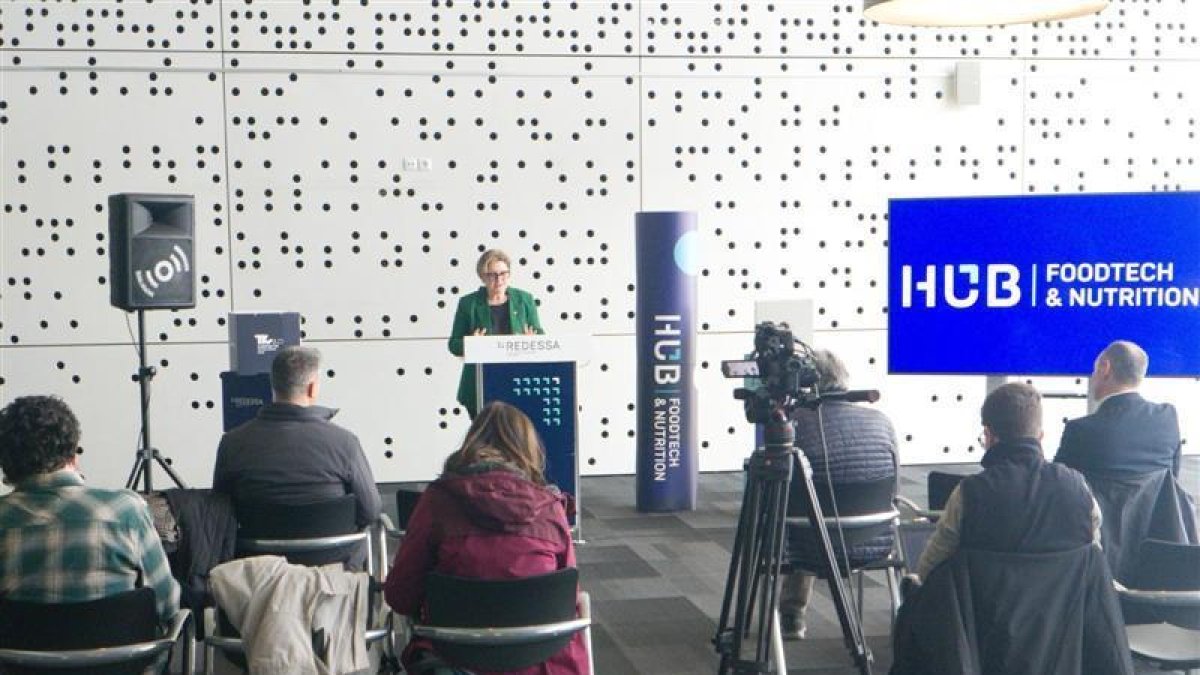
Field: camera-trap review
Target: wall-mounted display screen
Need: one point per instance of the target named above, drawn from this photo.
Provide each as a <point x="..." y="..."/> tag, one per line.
<point x="1038" y="285"/>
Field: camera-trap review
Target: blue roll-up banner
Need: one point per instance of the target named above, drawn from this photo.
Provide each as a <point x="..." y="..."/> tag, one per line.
<point x="667" y="262"/>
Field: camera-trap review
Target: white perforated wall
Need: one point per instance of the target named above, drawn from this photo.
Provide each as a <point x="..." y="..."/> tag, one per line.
<point x="350" y="160"/>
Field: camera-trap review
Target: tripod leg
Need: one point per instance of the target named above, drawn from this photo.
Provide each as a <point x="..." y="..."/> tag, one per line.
<point x="778" y="659"/>
<point x="135" y="472"/>
<point x="170" y="471"/>
<point x="728" y="638"/>
<point x="851" y="625"/>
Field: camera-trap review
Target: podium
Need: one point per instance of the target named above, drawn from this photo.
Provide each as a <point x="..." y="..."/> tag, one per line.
<point x="536" y="374"/>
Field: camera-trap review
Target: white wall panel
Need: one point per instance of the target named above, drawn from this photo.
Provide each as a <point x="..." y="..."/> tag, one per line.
<point x="163" y="26"/>
<point x="76" y="133"/>
<point x="538" y="159"/>
<point x="1088" y="127"/>
<point x="511" y="27"/>
<point x="791" y="171"/>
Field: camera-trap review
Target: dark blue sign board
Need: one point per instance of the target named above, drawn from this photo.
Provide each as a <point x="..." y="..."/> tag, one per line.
<point x="546" y="393"/>
<point x="1039" y="285"/>
<point x="242" y="396"/>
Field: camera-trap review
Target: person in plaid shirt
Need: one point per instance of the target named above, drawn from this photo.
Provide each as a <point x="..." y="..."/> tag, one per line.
<point x="61" y="541"/>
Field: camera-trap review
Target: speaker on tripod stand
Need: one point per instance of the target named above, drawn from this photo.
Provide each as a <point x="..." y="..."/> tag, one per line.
<point x="151" y="253"/>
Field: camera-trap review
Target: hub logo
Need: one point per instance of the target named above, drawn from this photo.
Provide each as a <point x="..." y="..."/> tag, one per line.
<point x="668" y="348"/>
<point x="962" y="285"/>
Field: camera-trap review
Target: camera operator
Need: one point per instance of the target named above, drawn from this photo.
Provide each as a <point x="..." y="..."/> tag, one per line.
<point x="859" y="446"/>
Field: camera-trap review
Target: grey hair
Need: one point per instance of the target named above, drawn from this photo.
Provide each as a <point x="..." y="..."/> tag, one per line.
<point x="490" y="256"/>
<point x="292" y="369"/>
<point x="1128" y="361"/>
<point x="831" y="371"/>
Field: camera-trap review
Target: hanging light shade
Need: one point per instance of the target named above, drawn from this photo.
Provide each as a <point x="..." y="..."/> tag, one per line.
<point x="976" y="12"/>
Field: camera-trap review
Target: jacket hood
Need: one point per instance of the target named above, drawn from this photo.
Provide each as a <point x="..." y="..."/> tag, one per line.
<point x="499" y="499"/>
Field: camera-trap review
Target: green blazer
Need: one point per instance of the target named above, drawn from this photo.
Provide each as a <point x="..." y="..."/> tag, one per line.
<point x="472" y="314"/>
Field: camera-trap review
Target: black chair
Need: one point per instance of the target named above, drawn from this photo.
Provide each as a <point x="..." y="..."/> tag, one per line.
<point x="406" y="501"/>
<point x="939" y="485"/>
<point x="311" y="534"/>
<point x="864" y="512"/>
<point x="503" y="624"/>
<point x="1136" y="508"/>
<point x="116" y="635"/>
<point x="1167" y="590"/>
<point x="314" y="533"/>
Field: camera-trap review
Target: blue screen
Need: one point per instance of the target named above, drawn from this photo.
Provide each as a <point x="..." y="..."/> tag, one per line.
<point x="1039" y="285"/>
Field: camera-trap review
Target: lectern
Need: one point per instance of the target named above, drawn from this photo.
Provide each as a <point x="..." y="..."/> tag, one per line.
<point x="536" y="373"/>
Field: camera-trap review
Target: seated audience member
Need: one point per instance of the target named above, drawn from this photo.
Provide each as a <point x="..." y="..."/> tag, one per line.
<point x="490" y="515"/>
<point x="1129" y="451"/>
<point x="61" y="541"/>
<point x="1013" y="579"/>
<point x="291" y="453"/>
<point x="1020" y="502"/>
<point x="861" y="447"/>
<point x="1127" y="434"/>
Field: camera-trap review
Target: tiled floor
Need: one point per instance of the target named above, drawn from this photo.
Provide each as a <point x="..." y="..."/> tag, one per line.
<point x="656" y="581"/>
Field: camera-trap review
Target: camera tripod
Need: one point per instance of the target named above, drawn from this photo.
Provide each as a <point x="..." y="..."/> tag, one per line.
<point x="147" y="453"/>
<point x="754" y="569"/>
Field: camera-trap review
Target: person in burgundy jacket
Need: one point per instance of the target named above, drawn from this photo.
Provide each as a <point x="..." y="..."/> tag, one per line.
<point x="490" y="515"/>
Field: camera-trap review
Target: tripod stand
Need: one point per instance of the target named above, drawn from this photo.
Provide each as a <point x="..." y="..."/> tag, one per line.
<point x="147" y="453"/>
<point x="754" y="568"/>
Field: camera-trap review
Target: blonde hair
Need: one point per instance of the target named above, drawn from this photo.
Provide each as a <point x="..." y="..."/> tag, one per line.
<point x="490" y="256"/>
<point x="501" y="433"/>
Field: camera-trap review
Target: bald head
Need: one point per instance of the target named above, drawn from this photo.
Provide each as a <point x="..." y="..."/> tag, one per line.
<point x="1120" y="367"/>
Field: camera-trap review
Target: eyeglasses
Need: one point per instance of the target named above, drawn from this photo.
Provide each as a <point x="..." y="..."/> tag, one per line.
<point x="495" y="276"/>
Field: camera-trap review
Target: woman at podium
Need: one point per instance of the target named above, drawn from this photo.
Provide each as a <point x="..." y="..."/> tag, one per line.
<point x="493" y="309"/>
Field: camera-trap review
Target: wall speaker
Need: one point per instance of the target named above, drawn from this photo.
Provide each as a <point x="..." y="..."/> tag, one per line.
<point x="150" y="252"/>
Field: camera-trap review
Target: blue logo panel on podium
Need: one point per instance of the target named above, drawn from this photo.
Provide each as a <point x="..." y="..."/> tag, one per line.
<point x="546" y="393"/>
<point x="1039" y="285"/>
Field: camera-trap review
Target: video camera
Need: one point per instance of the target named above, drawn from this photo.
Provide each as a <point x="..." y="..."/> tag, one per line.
<point x="788" y="375"/>
<point x="785" y="368"/>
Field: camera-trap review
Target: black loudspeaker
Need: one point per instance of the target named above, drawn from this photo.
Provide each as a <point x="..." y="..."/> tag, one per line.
<point x="150" y="252"/>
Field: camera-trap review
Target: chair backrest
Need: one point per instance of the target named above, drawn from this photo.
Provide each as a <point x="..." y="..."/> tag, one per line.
<point x="122" y="619"/>
<point x="1168" y="566"/>
<point x="1165" y="566"/>
<point x="406" y="501"/>
<point x="274" y="520"/>
<point x="474" y="603"/>
<point x="853" y="499"/>
<point x="321" y="532"/>
<point x="1136" y="507"/>
<point x="939" y="485"/>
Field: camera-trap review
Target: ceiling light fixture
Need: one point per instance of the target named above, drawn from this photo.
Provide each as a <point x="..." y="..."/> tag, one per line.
<point x="976" y="12"/>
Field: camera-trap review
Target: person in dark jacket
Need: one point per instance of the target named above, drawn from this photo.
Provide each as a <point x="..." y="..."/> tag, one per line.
<point x="1019" y="503"/>
<point x="292" y="453"/>
<point x="494" y="309"/>
<point x="1126" y="434"/>
<point x="1015" y="582"/>
<point x="490" y="515"/>
<point x="861" y="447"/>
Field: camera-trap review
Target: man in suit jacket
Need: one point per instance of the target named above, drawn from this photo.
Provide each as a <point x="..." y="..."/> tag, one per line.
<point x="1126" y="434"/>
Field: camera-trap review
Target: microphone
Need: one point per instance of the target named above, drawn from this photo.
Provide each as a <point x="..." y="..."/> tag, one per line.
<point x="853" y="396"/>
